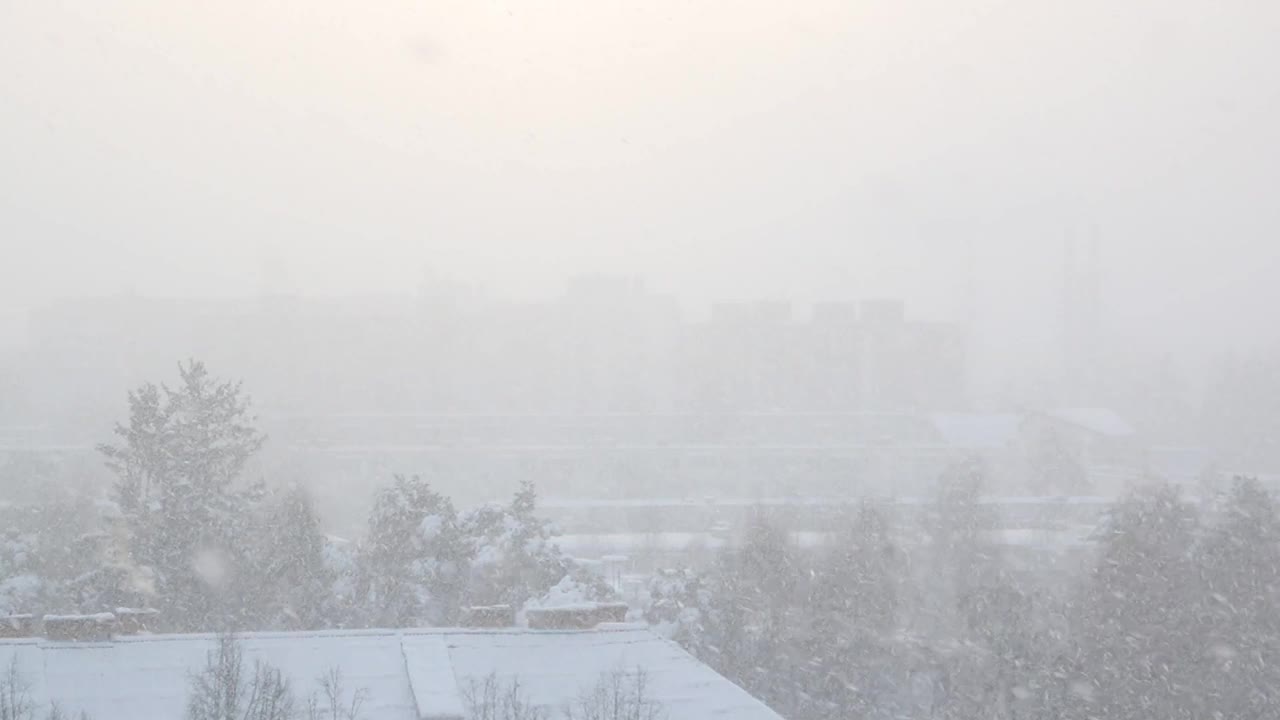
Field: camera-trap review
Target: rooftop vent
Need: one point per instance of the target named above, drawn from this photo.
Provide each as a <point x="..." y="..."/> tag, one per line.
<point x="488" y="616"/>
<point x="17" y="626"/>
<point x="79" y="627"/>
<point x="134" y="621"/>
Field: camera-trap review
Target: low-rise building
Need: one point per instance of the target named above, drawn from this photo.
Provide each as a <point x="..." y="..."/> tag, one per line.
<point x="419" y="674"/>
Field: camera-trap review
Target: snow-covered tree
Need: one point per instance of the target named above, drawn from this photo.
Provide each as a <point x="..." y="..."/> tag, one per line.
<point x="961" y="558"/>
<point x="1238" y="565"/>
<point x="1138" y="612"/>
<point x="514" y="557"/>
<point x="177" y="468"/>
<point x="21" y="586"/>
<point x="675" y="605"/>
<point x="848" y="617"/>
<point x="1012" y="658"/>
<point x="290" y="583"/>
<point x="752" y="601"/>
<point x="102" y="578"/>
<point x="342" y="607"/>
<point x="856" y="586"/>
<point x="579" y="585"/>
<point x="413" y="563"/>
<point x="65" y="557"/>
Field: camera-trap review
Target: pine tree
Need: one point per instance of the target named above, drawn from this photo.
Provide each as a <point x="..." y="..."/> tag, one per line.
<point x="849" y="619"/>
<point x="1239" y="568"/>
<point x="1008" y="662"/>
<point x="290" y="579"/>
<point x="747" y="622"/>
<point x="342" y="600"/>
<point x="857" y="576"/>
<point x="961" y="559"/>
<point x="21" y="585"/>
<point x="1138" y="612"/>
<point x="177" y="471"/>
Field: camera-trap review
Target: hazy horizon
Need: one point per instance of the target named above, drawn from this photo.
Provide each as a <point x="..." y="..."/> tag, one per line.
<point x="820" y="151"/>
<point x="672" y="360"/>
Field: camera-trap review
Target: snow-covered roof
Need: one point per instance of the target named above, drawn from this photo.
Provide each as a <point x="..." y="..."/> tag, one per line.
<point x="404" y="675"/>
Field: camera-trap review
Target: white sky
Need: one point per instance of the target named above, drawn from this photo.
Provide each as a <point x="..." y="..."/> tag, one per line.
<point x="831" y="148"/>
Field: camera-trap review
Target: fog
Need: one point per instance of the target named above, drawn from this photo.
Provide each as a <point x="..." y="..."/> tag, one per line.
<point x="722" y="150"/>
<point x="679" y="286"/>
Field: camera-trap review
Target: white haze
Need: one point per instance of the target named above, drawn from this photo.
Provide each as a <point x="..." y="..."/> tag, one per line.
<point x="820" y="359"/>
<point x="807" y="151"/>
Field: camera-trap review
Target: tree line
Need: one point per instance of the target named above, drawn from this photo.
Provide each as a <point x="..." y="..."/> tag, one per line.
<point x="1174" y="615"/>
<point x="185" y="532"/>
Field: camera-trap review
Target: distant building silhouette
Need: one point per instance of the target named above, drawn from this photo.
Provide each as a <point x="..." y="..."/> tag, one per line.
<point x="607" y="344"/>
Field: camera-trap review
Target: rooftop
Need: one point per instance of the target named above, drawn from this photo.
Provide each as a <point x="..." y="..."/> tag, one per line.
<point x="404" y="674"/>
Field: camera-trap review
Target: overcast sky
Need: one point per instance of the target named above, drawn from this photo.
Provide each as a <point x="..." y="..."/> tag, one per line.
<point x="810" y="150"/>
